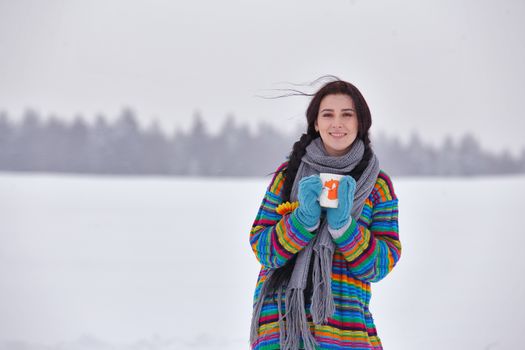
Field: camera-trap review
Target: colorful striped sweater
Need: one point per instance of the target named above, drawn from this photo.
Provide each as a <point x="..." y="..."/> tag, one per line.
<point x="366" y="252"/>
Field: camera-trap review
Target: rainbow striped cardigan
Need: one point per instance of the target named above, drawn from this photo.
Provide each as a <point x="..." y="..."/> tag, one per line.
<point x="366" y="252"/>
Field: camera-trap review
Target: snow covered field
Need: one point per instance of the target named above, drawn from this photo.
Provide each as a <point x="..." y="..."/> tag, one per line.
<point x="165" y="263"/>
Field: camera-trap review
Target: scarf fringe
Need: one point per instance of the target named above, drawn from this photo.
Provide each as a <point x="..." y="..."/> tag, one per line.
<point x="323" y="305"/>
<point x="299" y="327"/>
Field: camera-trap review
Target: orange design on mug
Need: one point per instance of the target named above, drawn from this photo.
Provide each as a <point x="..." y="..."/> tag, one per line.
<point x="332" y="186"/>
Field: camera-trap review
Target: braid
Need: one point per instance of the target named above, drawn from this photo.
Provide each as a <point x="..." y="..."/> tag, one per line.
<point x="298" y="151"/>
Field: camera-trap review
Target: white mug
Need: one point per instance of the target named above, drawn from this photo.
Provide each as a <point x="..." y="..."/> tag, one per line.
<point x="328" y="197"/>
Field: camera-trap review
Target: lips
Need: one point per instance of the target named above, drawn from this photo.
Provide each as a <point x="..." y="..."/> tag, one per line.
<point x="337" y="134"/>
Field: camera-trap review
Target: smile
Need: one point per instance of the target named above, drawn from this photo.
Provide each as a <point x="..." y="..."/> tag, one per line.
<point x="337" y="134"/>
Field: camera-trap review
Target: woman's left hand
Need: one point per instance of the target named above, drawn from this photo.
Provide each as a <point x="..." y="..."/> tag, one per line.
<point x="339" y="217"/>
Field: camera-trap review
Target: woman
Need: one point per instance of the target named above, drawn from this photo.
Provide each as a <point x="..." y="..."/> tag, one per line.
<point x="313" y="289"/>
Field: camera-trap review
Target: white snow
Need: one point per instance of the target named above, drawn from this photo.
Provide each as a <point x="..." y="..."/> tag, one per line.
<point x="165" y="263"/>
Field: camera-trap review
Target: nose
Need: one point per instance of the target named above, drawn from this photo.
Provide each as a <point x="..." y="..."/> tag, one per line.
<point x="338" y="122"/>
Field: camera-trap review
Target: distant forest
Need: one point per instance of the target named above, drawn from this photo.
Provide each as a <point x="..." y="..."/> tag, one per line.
<point x="124" y="147"/>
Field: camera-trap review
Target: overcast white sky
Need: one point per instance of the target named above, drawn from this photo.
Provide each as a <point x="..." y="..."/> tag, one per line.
<point x="437" y="67"/>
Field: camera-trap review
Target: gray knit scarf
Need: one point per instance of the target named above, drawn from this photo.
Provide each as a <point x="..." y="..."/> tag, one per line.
<point x="315" y="161"/>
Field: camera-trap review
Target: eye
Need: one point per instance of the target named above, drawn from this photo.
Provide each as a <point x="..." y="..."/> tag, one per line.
<point x="347" y="115"/>
<point x="327" y="115"/>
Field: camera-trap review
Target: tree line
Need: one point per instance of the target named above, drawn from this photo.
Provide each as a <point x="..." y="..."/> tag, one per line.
<point x="124" y="147"/>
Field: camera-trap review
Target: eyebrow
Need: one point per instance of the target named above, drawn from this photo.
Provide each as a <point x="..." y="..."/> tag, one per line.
<point x="331" y="110"/>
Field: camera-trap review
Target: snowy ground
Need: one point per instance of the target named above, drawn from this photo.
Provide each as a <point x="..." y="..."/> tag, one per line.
<point x="165" y="263"/>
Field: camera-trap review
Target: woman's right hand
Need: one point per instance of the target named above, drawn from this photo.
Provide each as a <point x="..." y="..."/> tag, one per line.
<point x="309" y="210"/>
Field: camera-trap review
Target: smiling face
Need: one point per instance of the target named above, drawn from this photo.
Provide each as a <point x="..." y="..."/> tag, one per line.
<point x="337" y="123"/>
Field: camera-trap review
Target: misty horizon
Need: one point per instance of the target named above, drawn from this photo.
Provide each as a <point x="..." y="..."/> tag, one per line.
<point x="124" y="146"/>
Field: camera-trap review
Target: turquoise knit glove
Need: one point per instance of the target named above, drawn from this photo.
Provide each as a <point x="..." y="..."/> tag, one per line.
<point x="309" y="211"/>
<point x="339" y="217"/>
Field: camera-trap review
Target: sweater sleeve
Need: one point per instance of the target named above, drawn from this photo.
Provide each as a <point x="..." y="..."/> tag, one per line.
<point x="372" y="251"/>
<point x="274" y="238"/>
